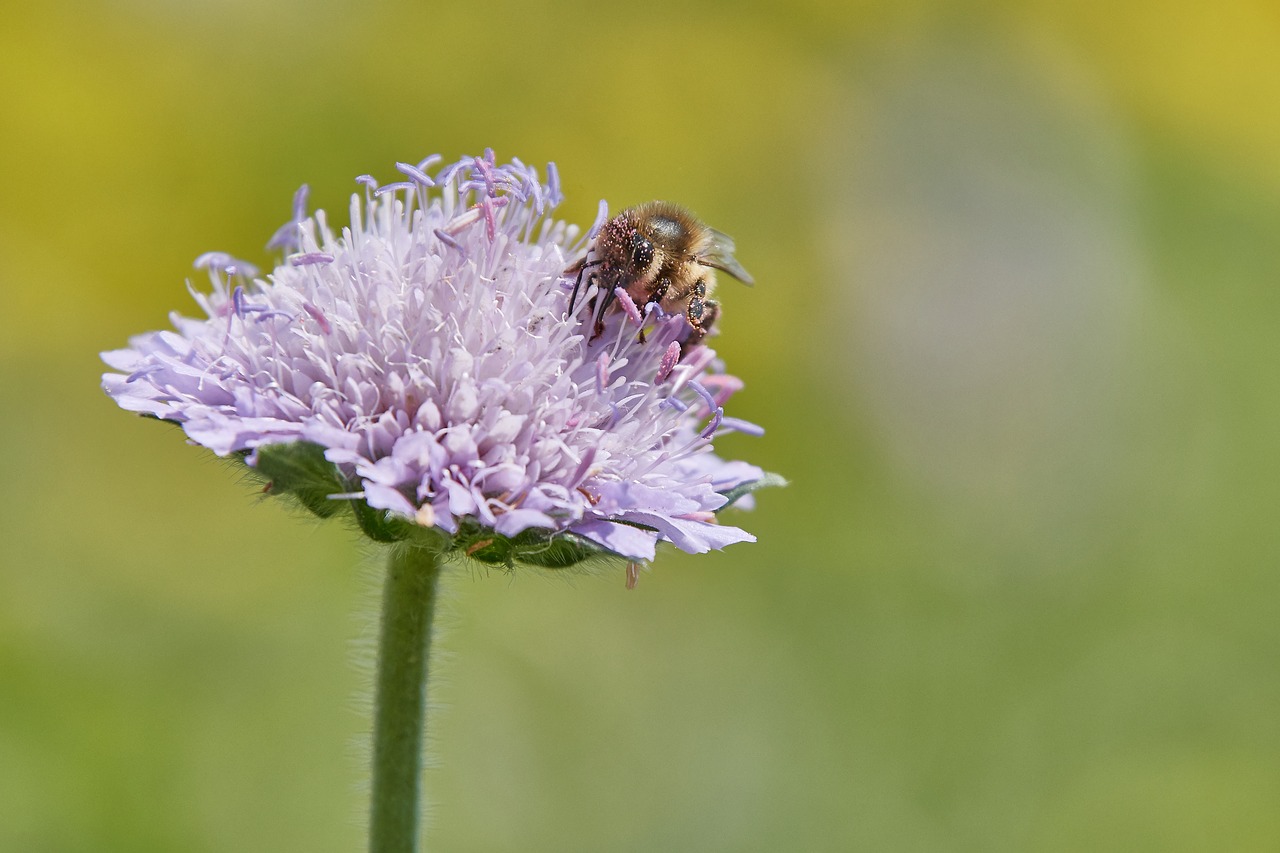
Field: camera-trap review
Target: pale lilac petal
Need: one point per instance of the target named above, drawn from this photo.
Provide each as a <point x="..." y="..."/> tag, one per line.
<point x="461" y="501"/>
<point x="695" y="537"/>
<point x="224" y="434"/>
<point x="619" y="538"/>
<point x="621" y="497"/>
<point x="722" y="475"/>
<point x="127" y="360"/>
<point x="443" y="518"/>
<point x="388" y="498"/>
<point x="329" y="436"/>
<point x="512" y="522"/>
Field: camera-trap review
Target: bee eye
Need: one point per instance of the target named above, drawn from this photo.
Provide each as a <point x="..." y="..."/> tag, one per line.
<point x="641" y="251"/>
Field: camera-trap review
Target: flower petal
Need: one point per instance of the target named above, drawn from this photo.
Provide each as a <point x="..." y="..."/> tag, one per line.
<point x="694" y="537"/>
<point x="619" y="538"/>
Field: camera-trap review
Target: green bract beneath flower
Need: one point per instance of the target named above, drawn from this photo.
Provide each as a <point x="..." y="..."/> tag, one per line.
<point x="298" y="472"/>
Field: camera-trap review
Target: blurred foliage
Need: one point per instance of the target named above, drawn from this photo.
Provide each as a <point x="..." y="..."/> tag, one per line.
<point x="1013" y="339"/>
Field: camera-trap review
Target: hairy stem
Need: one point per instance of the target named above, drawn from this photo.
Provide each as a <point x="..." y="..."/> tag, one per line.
<point x="408" y="603"/>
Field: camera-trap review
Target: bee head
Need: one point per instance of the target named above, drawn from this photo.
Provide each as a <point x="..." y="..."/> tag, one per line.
<point x="641" y="252"/>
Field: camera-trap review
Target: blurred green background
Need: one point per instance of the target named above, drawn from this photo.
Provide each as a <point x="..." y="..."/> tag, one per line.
<point x="1014" y="339"/>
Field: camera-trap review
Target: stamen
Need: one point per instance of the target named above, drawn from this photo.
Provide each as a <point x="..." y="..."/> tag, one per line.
<point x="710" y="429"/>
<point x="449" y="241"/>
<point x="225" y="263"/>
<point x="311" y="259"/>
<point x="535" y="188"/>
<point x="415" y="174"/>
<point x="393" y="187"/>
<point x="287" y="236"/>
<point x="602" y="372"/>
<point x="490" y="221"/>
<point x="744" y="427"/>
<point x="300" y="203"/>
<point x="705" y="395"/>
<point x="318" y="316"/>
<point x="265" y="313"/>
<point x="628" y="306"/>
<point x="446" y="174"/>
<point x="212" y="260"/>
<point x="485" y="167"/>
<point x="515" y="189"/>
<point x="553" y="182"/>
<point x="669" y="360"/>
<point x="242" y="307"/>
<point x="601" y="218"/>
<point x="462" y="221"/>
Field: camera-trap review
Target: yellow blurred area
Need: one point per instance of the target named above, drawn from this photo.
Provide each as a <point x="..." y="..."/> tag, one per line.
<point x="1012" y="338"/>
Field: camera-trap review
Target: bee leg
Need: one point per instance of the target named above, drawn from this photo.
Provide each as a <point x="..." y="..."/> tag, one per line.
<point x="581" y="267"/>
<point x="695" y="310"/>
<point x="660" y="290"/>
<point x="701" y="314"/>
<point x="710" y="312"/>
<point x="578" y="267"/>
<point x="606" y="299"/>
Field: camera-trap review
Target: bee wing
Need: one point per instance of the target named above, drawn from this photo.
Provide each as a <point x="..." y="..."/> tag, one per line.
<point x="719" y="255"/>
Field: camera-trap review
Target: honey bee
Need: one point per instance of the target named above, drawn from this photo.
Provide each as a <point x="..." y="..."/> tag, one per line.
<point x="660" y="253"/>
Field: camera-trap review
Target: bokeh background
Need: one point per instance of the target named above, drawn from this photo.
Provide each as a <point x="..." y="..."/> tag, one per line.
<point x="1014" y="339"/>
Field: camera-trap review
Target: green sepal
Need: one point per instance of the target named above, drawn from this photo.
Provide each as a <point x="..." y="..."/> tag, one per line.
<point x="534" y="547"/>
<point x="298" y="469"/>
<point x="482" y="544"/>
<point x="733" y="495"/>
<point x="548" y="550"/>
<point x="380" y="525"/>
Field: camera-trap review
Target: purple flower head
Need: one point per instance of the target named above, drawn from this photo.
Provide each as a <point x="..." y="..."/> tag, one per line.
<point x="421" y="364"/>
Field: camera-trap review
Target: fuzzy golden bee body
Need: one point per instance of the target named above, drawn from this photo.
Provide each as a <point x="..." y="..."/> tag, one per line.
<point x="660" y="253"/>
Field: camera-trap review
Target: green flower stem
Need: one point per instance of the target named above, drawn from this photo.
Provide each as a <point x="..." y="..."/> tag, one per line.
<point x="408" y="603"/>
